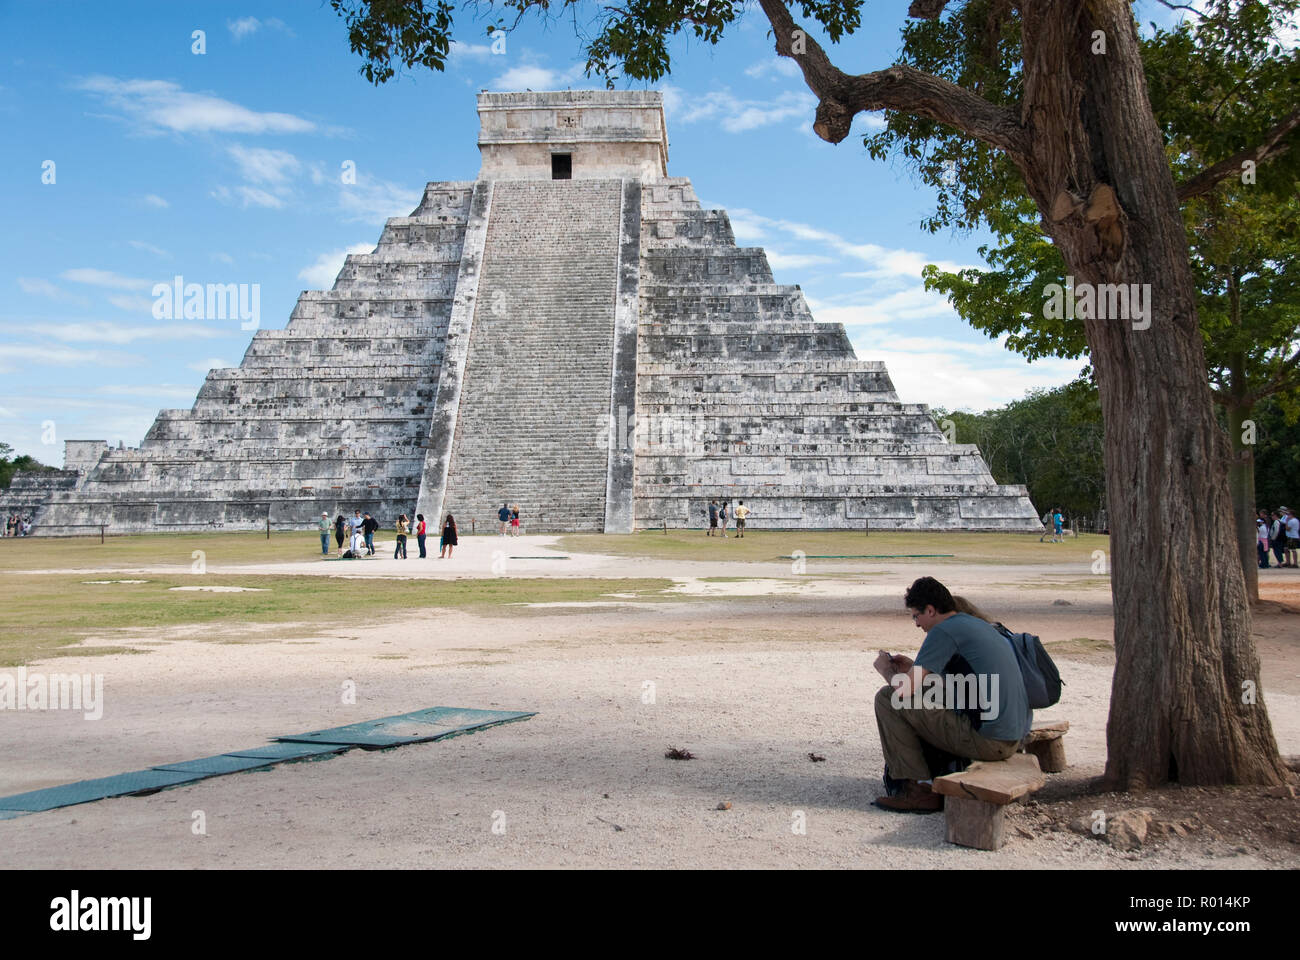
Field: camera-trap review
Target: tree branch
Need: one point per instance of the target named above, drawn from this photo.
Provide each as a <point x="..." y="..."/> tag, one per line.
<point x="842" y="96"/>
<point x="1271" y="146"/>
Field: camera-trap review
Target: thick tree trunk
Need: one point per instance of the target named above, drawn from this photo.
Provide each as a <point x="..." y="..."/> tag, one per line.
<point x="1241" y="488"/>
<point x="1186" y="702"/>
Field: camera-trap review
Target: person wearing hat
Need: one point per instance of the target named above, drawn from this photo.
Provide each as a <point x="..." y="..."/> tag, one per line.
<point x="325" y="527"/>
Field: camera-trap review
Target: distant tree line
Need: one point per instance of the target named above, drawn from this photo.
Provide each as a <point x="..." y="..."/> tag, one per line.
<point x="1051" y="441"/>
<point x="9" y="465"/>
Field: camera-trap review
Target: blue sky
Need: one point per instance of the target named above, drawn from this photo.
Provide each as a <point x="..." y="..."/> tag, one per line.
<point x="225" y="167"/>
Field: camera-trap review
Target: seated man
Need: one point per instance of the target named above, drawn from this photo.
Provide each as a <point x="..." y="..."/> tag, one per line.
<point x="963" y="695"/>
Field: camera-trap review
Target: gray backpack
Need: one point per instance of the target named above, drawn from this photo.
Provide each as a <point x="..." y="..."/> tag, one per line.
<point x="1042" y="679"/>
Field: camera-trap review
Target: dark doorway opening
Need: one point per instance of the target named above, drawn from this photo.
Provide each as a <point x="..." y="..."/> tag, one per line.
<point x="561" y="166"/>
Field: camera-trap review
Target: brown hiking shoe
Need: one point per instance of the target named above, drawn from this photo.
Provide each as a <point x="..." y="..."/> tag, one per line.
<point x="915" y="798"/>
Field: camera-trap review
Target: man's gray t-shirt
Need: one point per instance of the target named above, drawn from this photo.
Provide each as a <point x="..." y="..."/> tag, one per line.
<point x="988" y="653"/>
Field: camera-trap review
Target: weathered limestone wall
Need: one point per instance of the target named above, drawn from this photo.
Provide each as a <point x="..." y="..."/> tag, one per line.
<point x="328" y="415"/>
<point x="608" y="134"/>
<point x="741" y="396"/>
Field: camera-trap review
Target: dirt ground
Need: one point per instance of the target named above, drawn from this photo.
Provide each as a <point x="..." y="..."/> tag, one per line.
<point x="753" y="670"/>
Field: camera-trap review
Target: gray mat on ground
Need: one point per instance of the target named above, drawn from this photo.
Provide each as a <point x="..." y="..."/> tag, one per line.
<point x="83" y="791"/>
<point x="418" y="726"/>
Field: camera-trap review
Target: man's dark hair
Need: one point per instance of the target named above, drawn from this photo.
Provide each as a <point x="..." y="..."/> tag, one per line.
<point x="927" y="592"/>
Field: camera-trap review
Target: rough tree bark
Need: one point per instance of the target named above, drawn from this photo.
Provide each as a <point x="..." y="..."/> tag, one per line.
<point x="1186" y="702"/>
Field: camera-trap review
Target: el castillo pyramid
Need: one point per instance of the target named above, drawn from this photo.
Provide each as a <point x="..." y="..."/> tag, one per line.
<point x="569" y="332"/>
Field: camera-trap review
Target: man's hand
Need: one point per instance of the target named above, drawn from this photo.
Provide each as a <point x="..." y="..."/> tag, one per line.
<point x="901" y="663"/>
<point x="884" y="665"/>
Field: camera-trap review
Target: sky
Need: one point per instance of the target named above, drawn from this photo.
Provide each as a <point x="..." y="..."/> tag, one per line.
<point x="131" y="157"/>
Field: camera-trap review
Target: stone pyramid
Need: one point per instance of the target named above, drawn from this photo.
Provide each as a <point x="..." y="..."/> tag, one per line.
<point x="571" y="333"/>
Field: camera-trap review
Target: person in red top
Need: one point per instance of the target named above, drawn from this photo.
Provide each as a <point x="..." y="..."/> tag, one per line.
<point x="419" y="532"/>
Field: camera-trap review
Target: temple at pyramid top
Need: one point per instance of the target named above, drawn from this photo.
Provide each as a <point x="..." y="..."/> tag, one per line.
<point x="571" y="333"/>
<point x="572" y="135"/>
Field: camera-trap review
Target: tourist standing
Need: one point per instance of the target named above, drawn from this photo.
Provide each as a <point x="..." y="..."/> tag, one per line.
<point x="1292" y="538"/>
<point x="1261" y="538"/>
<point x="722" y="519"/>
<point x="325" y="534"/>
<point x="358" y="535"/>
<point x="419" y="533"/>
<point x="370" y="525"/>
<point x="449" y="539"/>
<point x="1058" y="526"/>
<point x="713" y="518"/>
<point x="340" y="528"/>
<point x="1277" y="535"/>
<point x="400" y="549"/>
<point x="503" y="515"/>
<point x="514" y="520"/>
<point x="742" y="512"/>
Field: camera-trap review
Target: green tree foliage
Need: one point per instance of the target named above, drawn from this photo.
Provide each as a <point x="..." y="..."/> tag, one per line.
<point x="9" y="465"/>
<point x="1277" y="456"/>
<point x="1051" y="441"/>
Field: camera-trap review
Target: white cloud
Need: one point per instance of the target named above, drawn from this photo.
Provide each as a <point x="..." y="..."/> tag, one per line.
<point x="153" y="200"/>
<point x="794" y="261"/>
<point x="212" y="363"/>
<point x="374" y="201"/>
<point x="223" y="258"/>
<point x="104" y="278"/>
<point x="161" y="390"/>
<point x="243" y="27"/>
<point x="259" y="165"/>
<point x="149" y="248"/>
<point x="43" y="288"/>
<point x="885" y="262"/>
<point x="101" y="332"/>
<point x="947" y="375"/>
<point x="125" y="301"/>
<point x="469" y="51"/>
<point x="783" y="66"/>
<point x="247" y="26"/>
<point x="25" y="355"/>
<point x="320" y="275"/>
<point x="248" y="197"/>
<point x="745" y="228"/>
<point x="164" y="105"/>
<point x="534" y="77"/>
<point x="733" y="114"/>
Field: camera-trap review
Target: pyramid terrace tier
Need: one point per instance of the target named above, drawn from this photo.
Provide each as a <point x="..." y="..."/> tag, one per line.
<point x="941" y="507"/>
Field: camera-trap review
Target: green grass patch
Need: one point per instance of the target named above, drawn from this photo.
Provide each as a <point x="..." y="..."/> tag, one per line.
<point x="57" y="610"/>
<point x="760" y="546"/>
<point x="157" y="549"/>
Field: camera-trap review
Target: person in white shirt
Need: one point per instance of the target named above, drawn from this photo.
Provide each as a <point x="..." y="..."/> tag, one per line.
<point x="1261" y="539"/>
<point x="358" y="535"/>
<point x="1292" y="538"/>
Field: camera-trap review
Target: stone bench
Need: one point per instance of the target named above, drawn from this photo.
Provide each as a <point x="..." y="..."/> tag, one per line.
<point x="974" y="798"/>
<point x="1046" y="741"/>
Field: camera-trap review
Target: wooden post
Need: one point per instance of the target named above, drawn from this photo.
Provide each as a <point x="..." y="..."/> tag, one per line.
<point x="665" y="526"/>
<point x="974" y="823"/>
<point x="101" y="533"/>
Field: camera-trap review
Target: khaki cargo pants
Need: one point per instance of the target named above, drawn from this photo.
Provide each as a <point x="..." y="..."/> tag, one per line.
<point x="903" y="729"/>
